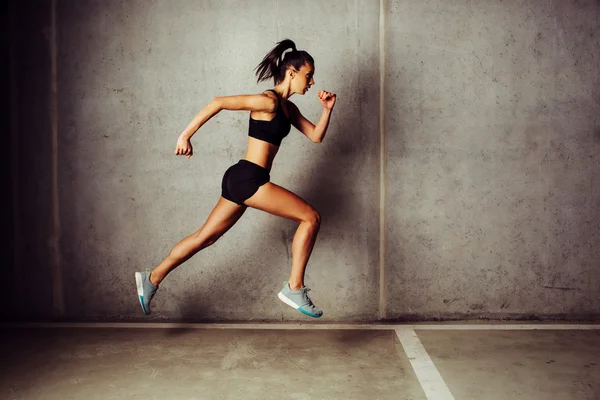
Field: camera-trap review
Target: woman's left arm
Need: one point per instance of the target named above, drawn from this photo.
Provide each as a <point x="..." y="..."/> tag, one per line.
<point x="314" y="133"/>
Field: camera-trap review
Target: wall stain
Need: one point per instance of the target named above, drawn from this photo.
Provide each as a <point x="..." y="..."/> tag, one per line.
<point x="560" y="288"/>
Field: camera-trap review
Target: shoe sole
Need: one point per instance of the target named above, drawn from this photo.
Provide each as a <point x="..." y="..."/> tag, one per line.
<point x="140" y="290"/>
<point x="295" y="306"/>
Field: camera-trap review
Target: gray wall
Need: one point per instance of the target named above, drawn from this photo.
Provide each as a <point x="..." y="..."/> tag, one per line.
<point x="27" y="267"/>
<point x="491" y="159"/>
<point x="493" y="152"/>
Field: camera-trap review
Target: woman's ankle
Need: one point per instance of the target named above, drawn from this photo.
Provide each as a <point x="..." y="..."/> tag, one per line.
<point x="155" y="279"/>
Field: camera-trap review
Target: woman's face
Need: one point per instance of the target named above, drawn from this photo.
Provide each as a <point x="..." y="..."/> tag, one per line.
<point x="303" y="79"/>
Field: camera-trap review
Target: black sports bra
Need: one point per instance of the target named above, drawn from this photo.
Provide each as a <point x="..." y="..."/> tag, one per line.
<point x="274" y="130"/>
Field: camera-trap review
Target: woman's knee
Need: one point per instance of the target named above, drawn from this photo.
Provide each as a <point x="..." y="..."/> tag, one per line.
<point x="313" y="217"/>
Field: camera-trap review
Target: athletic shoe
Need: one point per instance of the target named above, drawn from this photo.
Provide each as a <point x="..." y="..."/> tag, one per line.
<point x="299" y="300"/>
<point x="145" y="289"/>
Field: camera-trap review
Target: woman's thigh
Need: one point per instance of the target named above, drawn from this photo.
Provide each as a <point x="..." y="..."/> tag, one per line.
<point x="223" y="216"/>
<point x="279" y="201"/>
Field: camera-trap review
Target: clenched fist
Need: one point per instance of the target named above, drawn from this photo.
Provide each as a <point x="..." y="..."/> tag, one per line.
<point x="184" y="147"/>
<point x="327" y="99"/>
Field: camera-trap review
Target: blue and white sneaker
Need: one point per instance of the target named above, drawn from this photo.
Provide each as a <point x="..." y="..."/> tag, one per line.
<point x="146" y="290"/>
<point x="299" y="300"/>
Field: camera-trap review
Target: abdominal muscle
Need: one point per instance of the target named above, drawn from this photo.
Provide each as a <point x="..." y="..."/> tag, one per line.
<point x="261" y="152"/>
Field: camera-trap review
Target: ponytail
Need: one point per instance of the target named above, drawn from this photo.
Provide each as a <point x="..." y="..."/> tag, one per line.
<point x="276" y="63"/>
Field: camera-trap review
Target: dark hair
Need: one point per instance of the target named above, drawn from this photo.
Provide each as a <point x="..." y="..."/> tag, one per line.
<point x="272" y="66"/>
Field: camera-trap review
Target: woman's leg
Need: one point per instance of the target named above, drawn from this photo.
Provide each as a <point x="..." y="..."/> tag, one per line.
<point x="225" y="214"/>
<point x="281" y="202"/>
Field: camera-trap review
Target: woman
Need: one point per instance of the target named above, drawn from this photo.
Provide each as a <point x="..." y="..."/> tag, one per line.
<point x="246" y="184"/>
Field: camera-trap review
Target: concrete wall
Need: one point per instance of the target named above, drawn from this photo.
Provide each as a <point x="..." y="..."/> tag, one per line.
<point x="132" y="75"/>
<point x="7" y="169"/>
<point x="28" y="264"/>
<point x="491" y="153"/>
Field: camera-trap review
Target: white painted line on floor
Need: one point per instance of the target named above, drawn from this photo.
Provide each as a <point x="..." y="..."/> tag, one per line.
<point x="297" y="325"/>
<point x="429" y="377"/>
<point x="507" y="327"/>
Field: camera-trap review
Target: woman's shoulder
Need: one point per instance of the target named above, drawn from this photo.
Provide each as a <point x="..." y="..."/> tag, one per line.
<point x="270" y="93"/>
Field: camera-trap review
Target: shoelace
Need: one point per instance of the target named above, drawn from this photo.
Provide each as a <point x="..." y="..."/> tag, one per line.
<point x="305" y="290"/>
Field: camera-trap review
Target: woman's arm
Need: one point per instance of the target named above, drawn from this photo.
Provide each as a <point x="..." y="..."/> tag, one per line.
<point x="314" y="133"/>
<point x="252" y="102"/>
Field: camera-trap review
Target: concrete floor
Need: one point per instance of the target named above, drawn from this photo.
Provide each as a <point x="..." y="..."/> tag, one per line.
<point x="126" y="363"/>
<point x="557" y="365"/>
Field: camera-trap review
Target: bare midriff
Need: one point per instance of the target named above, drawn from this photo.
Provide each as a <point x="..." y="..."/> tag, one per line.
<point x="261" y="152"/>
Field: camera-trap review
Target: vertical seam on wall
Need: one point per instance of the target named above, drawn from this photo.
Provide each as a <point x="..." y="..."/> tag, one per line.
<point x="57" y="287"/>
<point x="277" y="19"/>
<point x="382" y="187"/>
<point x="14" y="155"/>
<point x="591" y="159"/>
<point x="548" y="169"/>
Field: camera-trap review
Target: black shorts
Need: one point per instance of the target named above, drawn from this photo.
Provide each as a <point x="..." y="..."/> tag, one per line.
<point x="242" y="180"/>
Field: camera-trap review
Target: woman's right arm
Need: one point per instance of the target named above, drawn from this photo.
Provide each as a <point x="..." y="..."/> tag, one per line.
<point x="251" y="102"/>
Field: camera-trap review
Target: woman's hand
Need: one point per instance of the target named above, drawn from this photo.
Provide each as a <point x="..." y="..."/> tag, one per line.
<point x="327" y="99"/>
<point x="184" y="147"/>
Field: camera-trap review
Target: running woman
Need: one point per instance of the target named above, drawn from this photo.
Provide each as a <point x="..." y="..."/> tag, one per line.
<point x="247" y="183"/>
